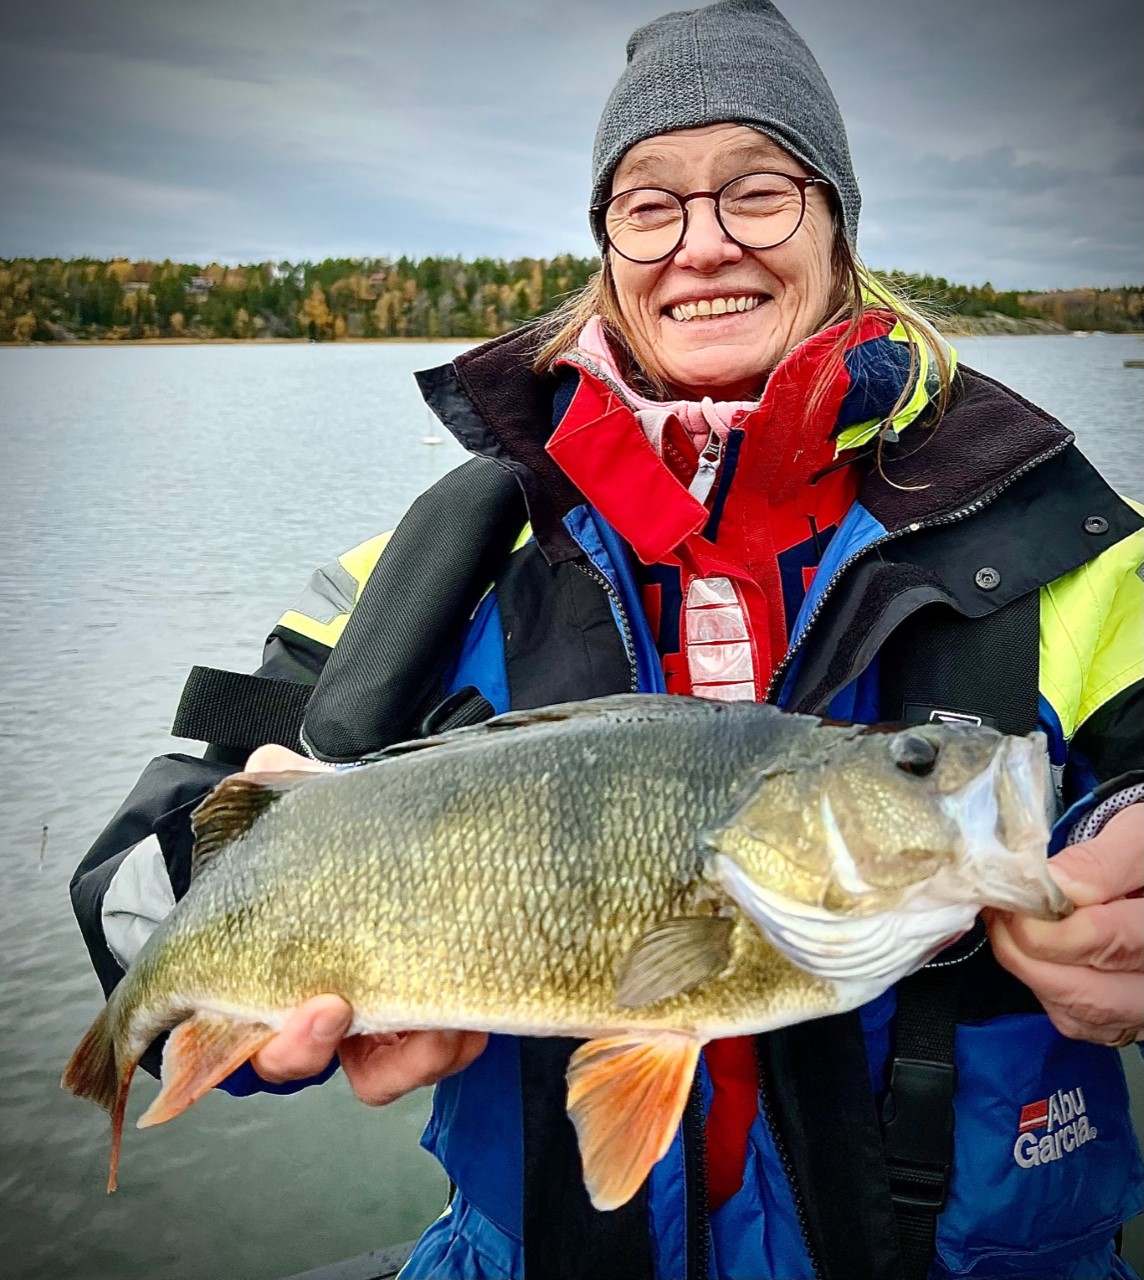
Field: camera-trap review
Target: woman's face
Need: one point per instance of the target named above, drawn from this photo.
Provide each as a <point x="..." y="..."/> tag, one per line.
<point x="728" y="356"/>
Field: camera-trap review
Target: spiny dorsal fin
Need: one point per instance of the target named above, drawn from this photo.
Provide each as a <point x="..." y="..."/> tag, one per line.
<point x="626" y="1096"/>
<point x="673" y="956"/>
<point x="234" y="806"/>
<point x="630" y="706"/>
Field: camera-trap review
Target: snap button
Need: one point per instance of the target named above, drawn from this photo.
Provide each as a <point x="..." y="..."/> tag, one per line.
<point x="1095" y="524"/>
<point x="987" y="578"/>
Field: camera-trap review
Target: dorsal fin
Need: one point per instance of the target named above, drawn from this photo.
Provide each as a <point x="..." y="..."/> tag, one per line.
<point x="234" y="806"/>
<point x="631" y="706"/>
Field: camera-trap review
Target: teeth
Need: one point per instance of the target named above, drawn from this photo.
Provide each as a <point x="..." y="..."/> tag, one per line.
<point x="713" y="307"/>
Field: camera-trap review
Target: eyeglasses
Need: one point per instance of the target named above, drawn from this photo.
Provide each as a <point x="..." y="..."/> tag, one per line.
<point x="756" y="210"/>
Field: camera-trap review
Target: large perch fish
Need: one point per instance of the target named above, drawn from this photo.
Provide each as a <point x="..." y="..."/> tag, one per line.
<point x="647" y="873"/>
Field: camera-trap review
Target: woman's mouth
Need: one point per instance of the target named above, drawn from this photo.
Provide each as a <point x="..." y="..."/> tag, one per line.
<point x="709" y="308"/>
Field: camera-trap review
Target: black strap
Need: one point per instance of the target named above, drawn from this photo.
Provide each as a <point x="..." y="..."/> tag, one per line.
<point x="565" y="1237"/>
<point x="242" y="711"/>
<point x="942" y="666"/>
<point x="917" y="1112"/>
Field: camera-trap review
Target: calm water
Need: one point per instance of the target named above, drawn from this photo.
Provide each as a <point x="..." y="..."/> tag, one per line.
<point x="161" y="507"/>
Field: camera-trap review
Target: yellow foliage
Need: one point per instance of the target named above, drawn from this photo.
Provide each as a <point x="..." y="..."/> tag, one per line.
<point x="23" y="327"/>
<point x="120" y="269"/>
<point x="177" y="322"/>
<point x="315" y="311"/>
<point x="339" y="327"/>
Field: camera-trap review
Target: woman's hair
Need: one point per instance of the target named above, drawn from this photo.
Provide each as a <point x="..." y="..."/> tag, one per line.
<point x="855" y="292"/>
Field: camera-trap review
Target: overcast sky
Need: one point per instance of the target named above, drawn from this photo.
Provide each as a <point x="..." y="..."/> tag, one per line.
<point x="993" y="139"/>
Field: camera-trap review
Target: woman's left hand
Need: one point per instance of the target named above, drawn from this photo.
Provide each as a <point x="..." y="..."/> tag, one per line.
<point x="1086" y="969"/>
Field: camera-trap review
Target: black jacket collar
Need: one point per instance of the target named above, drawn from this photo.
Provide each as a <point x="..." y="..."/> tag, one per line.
<point x="496" y="406"/>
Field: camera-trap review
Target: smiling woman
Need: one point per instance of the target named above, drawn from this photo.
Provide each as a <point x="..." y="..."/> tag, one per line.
<point x="735" y="468"/>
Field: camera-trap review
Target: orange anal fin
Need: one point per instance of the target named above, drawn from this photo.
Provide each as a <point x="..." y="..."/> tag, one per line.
<point x="199" y="1053"/>
<point x="626" y="1096"/>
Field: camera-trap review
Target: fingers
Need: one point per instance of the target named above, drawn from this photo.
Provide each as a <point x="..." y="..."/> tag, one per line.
<point x="1109" y="865"/>
<point x="1109" y="936"/>
<point x="307" y="1042"/>
<point x="272" y="758"/>
<point x="1083" y="1002"/>
<point x="380" y="1070"/>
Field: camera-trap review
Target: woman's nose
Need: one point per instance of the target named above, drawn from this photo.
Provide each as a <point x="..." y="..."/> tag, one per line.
<point x="705" y="246"/>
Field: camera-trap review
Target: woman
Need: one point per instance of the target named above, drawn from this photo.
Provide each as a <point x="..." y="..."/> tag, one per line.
<point x="750" y="473"/>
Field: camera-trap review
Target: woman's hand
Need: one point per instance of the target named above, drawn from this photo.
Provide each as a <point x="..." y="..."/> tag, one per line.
<point x="1086" y="969"/>
<point x="379" y="1068"/>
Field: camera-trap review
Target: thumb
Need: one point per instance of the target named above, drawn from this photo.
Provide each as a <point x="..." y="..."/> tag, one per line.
<point x="1107" y="867"/>
<point x="307" y="1042"/>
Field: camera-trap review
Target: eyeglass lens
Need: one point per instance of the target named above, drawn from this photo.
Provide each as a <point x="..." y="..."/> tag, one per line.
<point x="758" y="211"/>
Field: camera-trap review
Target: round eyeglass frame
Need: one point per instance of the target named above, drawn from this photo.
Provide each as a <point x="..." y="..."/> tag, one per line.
<point x="599" y="212"/>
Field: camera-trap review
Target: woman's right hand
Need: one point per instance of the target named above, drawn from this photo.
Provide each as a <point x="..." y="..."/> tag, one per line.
<point x="380" y="1067"/>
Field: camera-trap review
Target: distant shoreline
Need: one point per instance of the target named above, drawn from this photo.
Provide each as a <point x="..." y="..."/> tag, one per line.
<point x="235" y="342"/>
<point x="961" y="327"/>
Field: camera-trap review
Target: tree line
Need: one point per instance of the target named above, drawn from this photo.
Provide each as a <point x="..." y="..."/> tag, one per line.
<point x="56" y="300"/>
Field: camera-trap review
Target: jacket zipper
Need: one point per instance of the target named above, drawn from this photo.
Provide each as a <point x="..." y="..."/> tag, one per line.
<point x="952" y="517"/>
<point x="783" y="1151"/>
<point x="704" y="477"/>
<point x="697" y="1225"/>
<point x="601" y="579"/>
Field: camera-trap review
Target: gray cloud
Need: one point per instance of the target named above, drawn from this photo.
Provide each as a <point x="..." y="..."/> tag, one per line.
<point x="995" y="138"/>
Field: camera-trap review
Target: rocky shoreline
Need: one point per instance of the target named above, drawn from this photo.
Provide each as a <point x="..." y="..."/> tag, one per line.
<point x="994" y="323"/>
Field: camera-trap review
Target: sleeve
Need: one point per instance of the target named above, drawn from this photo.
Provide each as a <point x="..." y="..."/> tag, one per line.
<point x="139" y="866"/>
<point x="1092" y="665"/>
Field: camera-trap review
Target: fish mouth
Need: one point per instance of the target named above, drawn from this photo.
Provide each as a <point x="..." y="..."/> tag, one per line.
<point x="1004" y="817"/>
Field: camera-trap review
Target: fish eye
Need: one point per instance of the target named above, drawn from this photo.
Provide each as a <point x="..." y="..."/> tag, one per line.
<point x="914" y="754"/>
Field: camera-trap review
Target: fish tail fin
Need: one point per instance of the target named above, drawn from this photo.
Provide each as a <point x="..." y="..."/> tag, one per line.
<point x="91" y="1071"/>
<point x="626" y="1096"/>
<point x="201" y="1051"/>
<point x="94" y="1072"/>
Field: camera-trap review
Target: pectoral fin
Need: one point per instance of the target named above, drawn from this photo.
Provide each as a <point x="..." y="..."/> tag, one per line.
<point x="200" y="1052"/>
<point x="673" y="956"/>
<point x="626" y="1096"/>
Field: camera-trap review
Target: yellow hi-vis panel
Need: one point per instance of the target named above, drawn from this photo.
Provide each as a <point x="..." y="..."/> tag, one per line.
<point x="1092" y="632"/>
<point x="322" y="617"/>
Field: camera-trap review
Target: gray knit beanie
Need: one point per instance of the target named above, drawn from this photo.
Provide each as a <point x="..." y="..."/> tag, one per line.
<point x="737" y="61"/>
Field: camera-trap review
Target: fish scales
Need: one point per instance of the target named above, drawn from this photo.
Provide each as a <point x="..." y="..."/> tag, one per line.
<point x="480" y="885"/>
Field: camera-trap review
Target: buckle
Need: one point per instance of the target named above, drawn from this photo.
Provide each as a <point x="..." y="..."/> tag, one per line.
<point x="917" y="1132"/>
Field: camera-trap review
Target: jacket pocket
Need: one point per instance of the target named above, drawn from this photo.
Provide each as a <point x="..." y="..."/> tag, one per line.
<point x="1046" y="1164"/>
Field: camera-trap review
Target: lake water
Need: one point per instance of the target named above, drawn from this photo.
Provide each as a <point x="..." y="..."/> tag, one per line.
<point x="162" y="505"/>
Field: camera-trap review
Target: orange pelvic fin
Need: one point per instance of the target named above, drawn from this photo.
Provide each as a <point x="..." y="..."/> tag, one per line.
<point x="626" y="1096"/>
<point x="93" y="1072"/>
<point x="200" y="1052"/>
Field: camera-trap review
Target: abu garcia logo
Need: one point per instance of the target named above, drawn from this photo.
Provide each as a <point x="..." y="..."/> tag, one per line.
<point x="1064" y="1119"/>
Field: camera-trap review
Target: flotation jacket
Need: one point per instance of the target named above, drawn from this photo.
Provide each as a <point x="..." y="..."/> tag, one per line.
<point x="1045" y="1166"/>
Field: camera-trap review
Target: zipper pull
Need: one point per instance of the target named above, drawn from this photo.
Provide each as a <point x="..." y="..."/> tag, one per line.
<point x="709" y="460"/>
